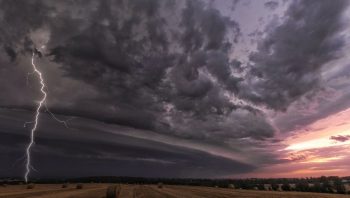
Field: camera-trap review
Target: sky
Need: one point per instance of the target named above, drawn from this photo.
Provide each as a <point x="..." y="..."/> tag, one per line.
<point x="175" y="88"/>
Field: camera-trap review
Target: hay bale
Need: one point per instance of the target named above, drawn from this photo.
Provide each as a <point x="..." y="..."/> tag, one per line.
<point x="79" y="186"/>
<point x="160" y="185"/>
<point x="64" y="185"/>
<point x="31" y="186"/>
<point x="231" y="186"/>
<point x="112" y="192"/>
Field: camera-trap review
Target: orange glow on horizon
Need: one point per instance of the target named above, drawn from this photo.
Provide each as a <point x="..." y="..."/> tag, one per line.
<point x="322" y="159"/>
<point x="319" y="133"/>
<point x="311" y="153"/>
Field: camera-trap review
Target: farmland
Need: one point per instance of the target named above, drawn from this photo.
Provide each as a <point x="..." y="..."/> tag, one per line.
<point x="145" y="191"/>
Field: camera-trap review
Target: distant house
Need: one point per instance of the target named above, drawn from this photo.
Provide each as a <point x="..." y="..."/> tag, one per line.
<point x="346" y="185"/>
<point x="279" y="188"/>
<point x="267" y="186"/>
<point x="311" y="185"/>
<point x="232" y="186"/>
<point x="292" y="186"/>
<point x="347" y="188"/>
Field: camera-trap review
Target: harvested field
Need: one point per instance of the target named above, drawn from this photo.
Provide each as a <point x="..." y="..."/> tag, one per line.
<point x="147" y="191"/>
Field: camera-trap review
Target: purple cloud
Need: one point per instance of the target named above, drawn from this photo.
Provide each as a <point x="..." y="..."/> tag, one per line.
<point x="340" y="138"/>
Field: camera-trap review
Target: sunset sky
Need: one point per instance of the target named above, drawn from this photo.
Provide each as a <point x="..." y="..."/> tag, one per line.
<point x="176" y="88"/>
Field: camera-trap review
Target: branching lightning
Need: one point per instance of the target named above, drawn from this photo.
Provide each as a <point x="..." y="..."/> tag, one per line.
<point x="35" y="122"/>
<point x="32" y="132"/>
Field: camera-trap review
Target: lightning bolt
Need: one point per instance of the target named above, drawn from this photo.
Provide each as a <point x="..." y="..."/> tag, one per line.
<point x="35" y="123"/>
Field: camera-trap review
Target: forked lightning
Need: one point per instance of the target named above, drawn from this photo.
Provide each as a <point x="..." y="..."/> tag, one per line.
<point x="37" y="114"/>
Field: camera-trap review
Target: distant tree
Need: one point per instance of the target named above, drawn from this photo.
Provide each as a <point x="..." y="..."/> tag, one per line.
<point x="285" y="187"/>
<point x="274" y="187"/>
<point x="325" y="187"/>
<point x="323" y="179"/>
<point x="261" y="187"/>
<point x="339" y="187"/>
<point x="303" y="187"/>
<point x="317" y="187"/>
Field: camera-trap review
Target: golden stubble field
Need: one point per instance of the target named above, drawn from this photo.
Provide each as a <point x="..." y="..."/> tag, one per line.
<point x="145" y="191"/>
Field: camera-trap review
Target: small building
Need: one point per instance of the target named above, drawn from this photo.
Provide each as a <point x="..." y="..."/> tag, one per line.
<point x="311" y="185"/>
<point x="279" y="187"/>
<point x="232" y="186"/>
<point x="267" y="187"/>
<point x="347" y="188"/>
<point x="292" y="186"/>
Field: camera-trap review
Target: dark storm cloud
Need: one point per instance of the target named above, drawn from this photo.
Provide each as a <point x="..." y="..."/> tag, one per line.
<point x="10" y="52"/>
<point x="163" y="67"/>
<point x="288" y="60"/>
<point x="131" y="159"/>
<point x="150" y="66"/>
<point x="272" y="5"/>
<point x="61" y="152"/>
<point x="17" y="19"/>
<point x="219" y="128"/>
<point x="154" y="64"/>
<point x="313" y="107"/>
